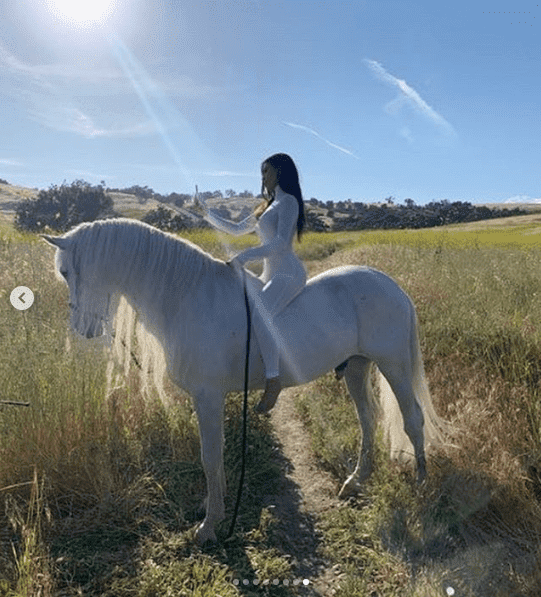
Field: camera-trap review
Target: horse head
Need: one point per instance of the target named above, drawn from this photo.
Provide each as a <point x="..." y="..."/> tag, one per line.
<point x="88" y="301"/>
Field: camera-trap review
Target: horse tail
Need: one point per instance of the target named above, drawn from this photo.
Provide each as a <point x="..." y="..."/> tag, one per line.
<point x="390" y="414"/>
<point x="434" y="426"/>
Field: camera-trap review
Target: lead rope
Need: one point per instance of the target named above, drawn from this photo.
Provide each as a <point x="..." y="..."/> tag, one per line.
<point x="245" y="407"/>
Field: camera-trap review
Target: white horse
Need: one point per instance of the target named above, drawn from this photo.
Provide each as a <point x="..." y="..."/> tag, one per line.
<point x="193" y="304"/>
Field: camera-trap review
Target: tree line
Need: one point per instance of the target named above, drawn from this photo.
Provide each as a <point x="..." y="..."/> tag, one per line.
<point x="61" y="207"/>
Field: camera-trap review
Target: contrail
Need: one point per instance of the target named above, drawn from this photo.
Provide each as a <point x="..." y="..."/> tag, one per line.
<point x="316" y="134"/>
<point x="408" y="94"/>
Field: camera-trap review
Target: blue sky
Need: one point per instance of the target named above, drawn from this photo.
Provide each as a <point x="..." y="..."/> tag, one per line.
<point x="418" y="100"/>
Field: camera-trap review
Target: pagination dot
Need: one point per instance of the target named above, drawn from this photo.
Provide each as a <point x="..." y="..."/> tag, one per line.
<point x="267" y="581"/>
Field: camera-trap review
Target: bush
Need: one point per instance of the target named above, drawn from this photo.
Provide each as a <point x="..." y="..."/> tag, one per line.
<point x="63" y="207"/>
<point x="164" y="219"/>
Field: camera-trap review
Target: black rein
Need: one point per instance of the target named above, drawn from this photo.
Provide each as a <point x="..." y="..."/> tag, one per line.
<point x="245" y="406"/>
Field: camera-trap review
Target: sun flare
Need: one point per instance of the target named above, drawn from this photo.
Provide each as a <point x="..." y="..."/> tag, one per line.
<point x="82" y="12"/>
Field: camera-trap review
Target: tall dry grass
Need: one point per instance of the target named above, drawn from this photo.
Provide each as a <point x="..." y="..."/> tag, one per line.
<point x="78" y="456"/>
<point x="98" y="489"/>
<point x="479" y="309"/>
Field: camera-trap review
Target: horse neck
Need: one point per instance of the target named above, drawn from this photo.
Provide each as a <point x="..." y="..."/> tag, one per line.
<point x="163" y="279"/>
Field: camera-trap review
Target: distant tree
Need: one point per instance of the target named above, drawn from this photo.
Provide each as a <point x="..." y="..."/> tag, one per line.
<point x="178" y="199"/>
<point x="244" y="213"/>
<point x="314" y="222"/>
<point x="222" y="211"/>
<point x="164" y="219"/>
<point x="410" y="203"/>
<point x="2" y="181"/>
<point x="142" y="193"/>
<point x="230" y="193"/>
<point x="63" y="207"/>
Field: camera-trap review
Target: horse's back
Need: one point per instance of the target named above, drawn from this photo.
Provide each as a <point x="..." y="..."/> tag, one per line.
<point x="360" y="283"/>
<point x="340" y="313"/>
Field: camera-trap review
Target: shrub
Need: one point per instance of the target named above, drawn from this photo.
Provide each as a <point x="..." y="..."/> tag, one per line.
<point x="164" y="219"/>
<point x="63" y="207"/>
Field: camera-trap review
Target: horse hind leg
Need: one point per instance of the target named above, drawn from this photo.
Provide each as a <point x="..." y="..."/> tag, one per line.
<point x="357" y="376"/>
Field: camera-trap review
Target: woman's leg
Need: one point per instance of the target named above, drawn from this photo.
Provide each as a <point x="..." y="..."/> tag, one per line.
<point x="274" y="297"/>
<point x="268" y="344"/>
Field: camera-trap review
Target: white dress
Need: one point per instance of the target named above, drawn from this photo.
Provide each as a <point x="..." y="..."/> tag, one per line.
<point x="283" y="274"/>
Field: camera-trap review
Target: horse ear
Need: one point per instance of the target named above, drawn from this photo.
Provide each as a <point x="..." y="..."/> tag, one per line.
<point x="56" y="241"/>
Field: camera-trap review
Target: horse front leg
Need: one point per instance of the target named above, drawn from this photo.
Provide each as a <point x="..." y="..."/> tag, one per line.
<point x="209" y="407"/>
<point x="357" y="375"/>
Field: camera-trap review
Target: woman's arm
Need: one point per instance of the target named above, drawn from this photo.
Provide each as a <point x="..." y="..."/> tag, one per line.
<point x="235" y="228"/>
<point x="288" y="213"/>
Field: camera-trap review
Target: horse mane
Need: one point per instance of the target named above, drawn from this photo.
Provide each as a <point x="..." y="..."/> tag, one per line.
<point x="132" y="246"/>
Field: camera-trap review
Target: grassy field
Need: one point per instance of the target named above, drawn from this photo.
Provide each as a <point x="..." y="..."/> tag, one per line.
<point x="99" y="489"/>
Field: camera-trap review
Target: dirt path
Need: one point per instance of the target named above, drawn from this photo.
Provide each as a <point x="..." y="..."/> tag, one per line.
<point x="307" y="491"/>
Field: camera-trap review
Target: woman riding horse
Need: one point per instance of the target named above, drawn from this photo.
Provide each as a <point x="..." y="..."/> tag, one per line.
<point x="275" y="221"/>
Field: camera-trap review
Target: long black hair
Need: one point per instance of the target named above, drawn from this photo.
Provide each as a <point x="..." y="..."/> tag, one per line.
<point x="288" y="179"/>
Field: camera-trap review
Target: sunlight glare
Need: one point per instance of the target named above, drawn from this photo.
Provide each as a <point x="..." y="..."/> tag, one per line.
<point x="82" y="12"/>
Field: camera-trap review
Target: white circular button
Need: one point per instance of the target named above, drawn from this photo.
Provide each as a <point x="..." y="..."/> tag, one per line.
<point x="21" y="298"/>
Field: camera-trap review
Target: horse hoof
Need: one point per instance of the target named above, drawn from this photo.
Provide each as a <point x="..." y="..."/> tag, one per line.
<point x="349" y="488"/>
<point x="205" y="534"/>
<point x="421" y="470"/>
<point x="260" y="409"/>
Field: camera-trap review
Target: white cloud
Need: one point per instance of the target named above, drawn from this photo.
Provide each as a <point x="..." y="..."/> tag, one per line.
<point x="64" y="117"/>
<point x="48" y="90"/>
<point x="316" y="134"/>
<point x="407" y="134"/>
<point x="408" y="95"/>
<point x="220" y="173"/>
<point x="10" y="162"/>
<point x="92" y="80"/>
<point x="523" y="199"/>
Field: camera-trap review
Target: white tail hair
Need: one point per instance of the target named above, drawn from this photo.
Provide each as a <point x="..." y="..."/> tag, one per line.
<point x="392" y="421"/>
